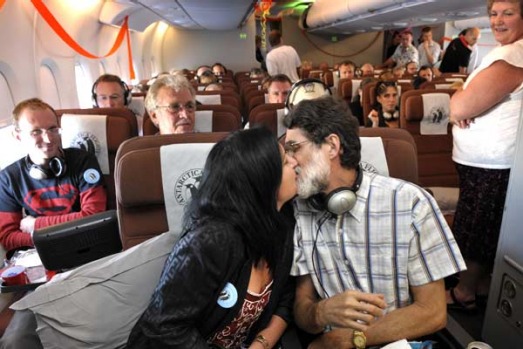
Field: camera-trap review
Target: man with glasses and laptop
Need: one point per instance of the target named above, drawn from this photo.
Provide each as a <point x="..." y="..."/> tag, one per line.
<point x="171" y="104"/>
<point x="50" y="185"/>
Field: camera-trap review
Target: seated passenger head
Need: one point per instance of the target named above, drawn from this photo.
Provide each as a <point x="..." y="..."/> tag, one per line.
<point x="207" y="77"/>
<point x="248" y="174"/>
<point x="213" y="87"/>
<point x="171" y="104"/>
<point x="257" y="73"/>
<point x="365" y="81"/>
<point x="386" y="93"/>
<point x="396" y="73"/>
<point x="109" y="91"/>
<point x="219" y="69"/>
<point x="367" y="69"/>
<point x="315" y="129"/>
<point x="411" y="68"/>
<point x="36" y="127"/>
<point x="201" y="69"/>
<point x="418" y="81"/>
<point x="278" y="87"/>
<point x="425" y="72"/>
<point x="346" y="70"/>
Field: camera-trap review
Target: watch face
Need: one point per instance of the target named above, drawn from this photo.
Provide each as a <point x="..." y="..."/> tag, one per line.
<point x="359" y="340"/>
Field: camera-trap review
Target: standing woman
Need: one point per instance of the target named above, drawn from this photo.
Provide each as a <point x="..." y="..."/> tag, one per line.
<point x="385" y="112"/>
<point x="485" y="116"/>
<point x="226" y="282"/>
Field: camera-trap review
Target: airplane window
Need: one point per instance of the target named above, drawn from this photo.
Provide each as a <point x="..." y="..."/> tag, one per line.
<point x="83" y="87"/>
<point x="7" y="141"/>
<point x="48" y="87"/>
<point x="6" y="102"/>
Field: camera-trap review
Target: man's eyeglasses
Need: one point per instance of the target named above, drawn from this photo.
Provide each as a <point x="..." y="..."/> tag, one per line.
<point x="39" y="132"/>
<point x="292" y="147"/>
<point x="175" y="108"/>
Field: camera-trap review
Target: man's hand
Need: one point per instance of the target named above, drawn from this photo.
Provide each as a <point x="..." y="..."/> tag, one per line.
<point x="351" y="309"/>
<point x="373" y="117"/>
<point x="27" y="224"/>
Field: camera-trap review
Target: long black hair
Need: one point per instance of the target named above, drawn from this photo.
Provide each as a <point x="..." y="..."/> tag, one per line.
<point x="239" y="185"/>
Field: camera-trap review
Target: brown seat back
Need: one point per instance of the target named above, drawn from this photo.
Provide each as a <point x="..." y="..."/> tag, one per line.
<point x="139" y="190"/>
<point x="267" y="115"/>
<point x="400" y="151"/>
<point x="436" y="167"/>
<point x="121" y="125"/>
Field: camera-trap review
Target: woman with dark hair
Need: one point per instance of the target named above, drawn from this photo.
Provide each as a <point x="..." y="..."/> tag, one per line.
<point x="385" y="112"/>
<point x="226" y="282"/>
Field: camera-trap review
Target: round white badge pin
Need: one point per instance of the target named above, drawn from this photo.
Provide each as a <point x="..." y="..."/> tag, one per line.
<point x="91" y="176"/>
<point x="228" y="296"/>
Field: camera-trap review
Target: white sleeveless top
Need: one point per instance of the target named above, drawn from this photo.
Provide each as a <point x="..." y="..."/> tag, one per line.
<point x="490" y="141"/>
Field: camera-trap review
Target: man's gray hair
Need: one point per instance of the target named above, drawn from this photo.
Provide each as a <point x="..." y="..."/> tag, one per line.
<point x="175" y="82"/>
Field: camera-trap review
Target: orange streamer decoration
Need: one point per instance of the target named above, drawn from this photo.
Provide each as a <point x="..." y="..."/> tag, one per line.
<point x="2" y="3"/>
<point x="58" y="29"/>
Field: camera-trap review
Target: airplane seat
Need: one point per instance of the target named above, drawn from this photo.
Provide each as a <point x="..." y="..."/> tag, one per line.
<point x="328" y="78"/>
<point x="224" y="97"/>
<point x="241" y="76"/>
<point x="437" y="171"/>
<point x="400" y="151"/>
<point x="440" y="84"/>
<point x="140" y="199"/>
<point x="254" y="99"/>
<point x="120" y="125"/>
<point x="341" y="88"/>
<point x="209" y="118"/>
<point x="269" y="115"/>
<point x="369" y="97"/>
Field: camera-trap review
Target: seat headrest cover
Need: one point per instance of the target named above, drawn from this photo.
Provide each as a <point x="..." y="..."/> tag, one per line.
<point x="88" y="132"/>
<point x="306" y="89"/>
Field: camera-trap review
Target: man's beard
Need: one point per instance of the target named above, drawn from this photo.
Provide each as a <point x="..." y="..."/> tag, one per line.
<point x="314" y="178"/>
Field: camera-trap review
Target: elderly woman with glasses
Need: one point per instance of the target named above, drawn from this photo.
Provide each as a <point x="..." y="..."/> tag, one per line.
<point x="385" y="112"/>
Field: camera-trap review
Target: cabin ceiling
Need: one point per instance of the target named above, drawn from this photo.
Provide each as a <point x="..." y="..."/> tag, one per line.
<point x="359" y="16"/>
<point x="318" y="16"/>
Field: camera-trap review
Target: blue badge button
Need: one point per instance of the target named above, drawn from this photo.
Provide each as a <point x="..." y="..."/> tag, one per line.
<point x="228" y="296"/>
<point x="91" y="176"/>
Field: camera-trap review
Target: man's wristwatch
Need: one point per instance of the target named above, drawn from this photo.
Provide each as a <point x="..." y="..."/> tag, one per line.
<point x="359" y="340"/>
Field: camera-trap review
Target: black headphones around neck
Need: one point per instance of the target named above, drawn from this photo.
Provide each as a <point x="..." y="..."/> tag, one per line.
<point x="57" y="168"/>
<point x="340" y="200"/>
<point x="127" y="96"/>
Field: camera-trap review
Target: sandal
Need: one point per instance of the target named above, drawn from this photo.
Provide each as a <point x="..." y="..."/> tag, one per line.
<point x="465" y="306"/>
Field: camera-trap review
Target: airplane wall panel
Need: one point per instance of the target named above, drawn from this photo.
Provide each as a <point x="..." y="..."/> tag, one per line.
<point x="189" y="49"/>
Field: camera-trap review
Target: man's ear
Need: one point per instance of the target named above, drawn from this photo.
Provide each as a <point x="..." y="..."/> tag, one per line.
<point x="154" y="119"/>
<point x="333" y="141"/>
<point x="15" y="134"/>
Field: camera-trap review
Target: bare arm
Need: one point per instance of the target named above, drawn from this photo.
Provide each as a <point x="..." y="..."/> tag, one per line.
<point x="427" y="314"/>
<point x="387" y="64"/>
<point x="272" y="333"/>
<point x="487" y="89"/>
<point x="352" y="309"/>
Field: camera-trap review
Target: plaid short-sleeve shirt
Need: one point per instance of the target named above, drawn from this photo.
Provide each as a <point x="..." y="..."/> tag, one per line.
<point x="394" y="237"/>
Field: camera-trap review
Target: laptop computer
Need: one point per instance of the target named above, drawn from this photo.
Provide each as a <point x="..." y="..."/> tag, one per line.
<point x="71" y="244"/>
